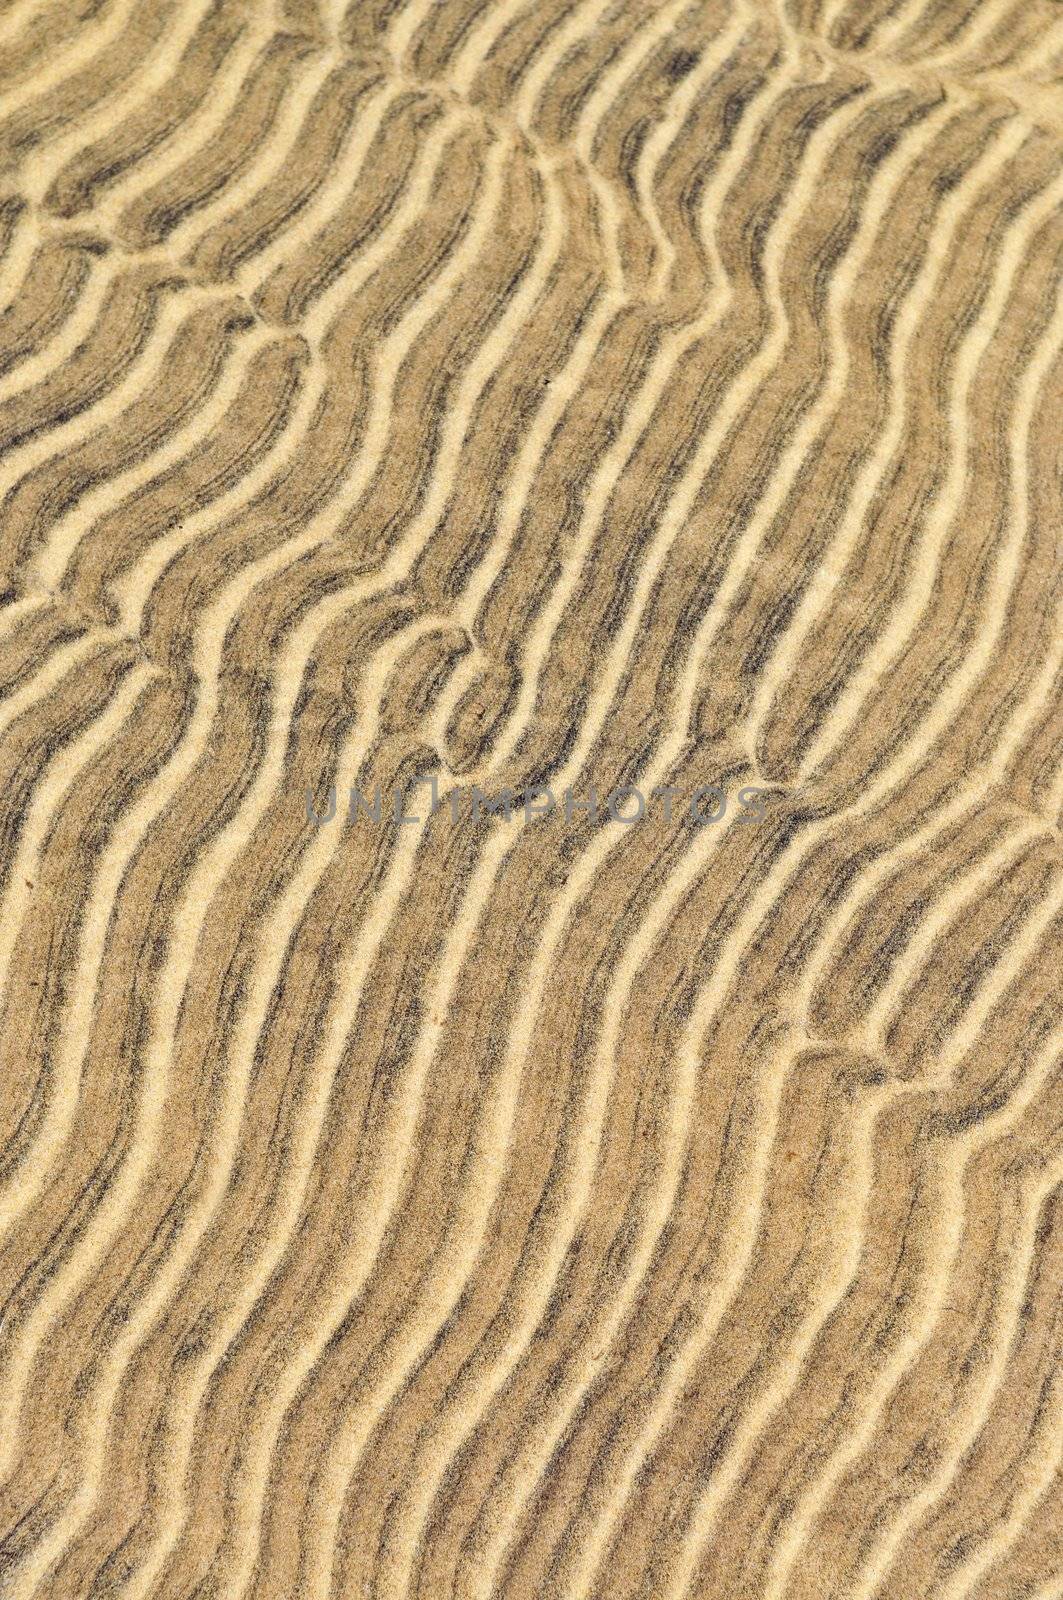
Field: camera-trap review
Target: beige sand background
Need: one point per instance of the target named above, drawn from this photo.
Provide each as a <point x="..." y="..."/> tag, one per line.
<point x="582" y="393"/>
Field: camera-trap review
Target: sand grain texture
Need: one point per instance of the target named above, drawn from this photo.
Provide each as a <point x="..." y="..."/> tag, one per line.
<point x="582" y="393"/>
